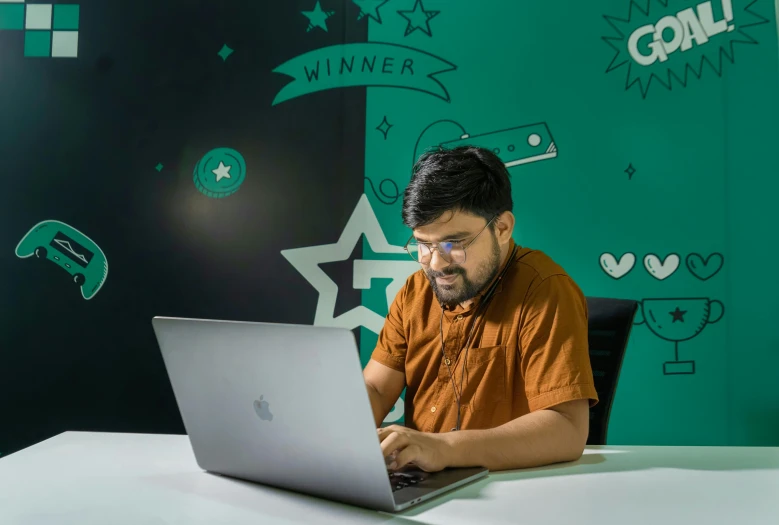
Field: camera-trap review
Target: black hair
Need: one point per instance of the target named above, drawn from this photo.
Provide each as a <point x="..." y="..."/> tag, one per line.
<point x="465" y="178"/>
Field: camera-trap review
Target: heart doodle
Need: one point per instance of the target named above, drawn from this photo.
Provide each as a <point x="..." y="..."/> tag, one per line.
<point x="617" y="269"/>
<point x="707" y="268"/>
<point x="661" y="269"/>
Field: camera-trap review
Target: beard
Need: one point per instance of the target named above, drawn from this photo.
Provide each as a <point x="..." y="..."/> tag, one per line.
<point x="467" y="287"/>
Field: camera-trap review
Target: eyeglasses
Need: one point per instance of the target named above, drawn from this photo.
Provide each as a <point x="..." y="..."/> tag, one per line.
<point x="450" y="251"/>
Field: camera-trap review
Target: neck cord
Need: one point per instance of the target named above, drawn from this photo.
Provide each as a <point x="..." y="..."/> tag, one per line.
<point x="482" y="308"/>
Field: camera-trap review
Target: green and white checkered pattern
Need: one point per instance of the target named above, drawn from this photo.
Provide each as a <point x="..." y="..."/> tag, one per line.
<point x="50" y="30"/>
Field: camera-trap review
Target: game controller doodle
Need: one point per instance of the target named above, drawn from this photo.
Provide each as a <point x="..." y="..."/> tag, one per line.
<point x="617" y="269"/>
<point x="69" y="249"/>
<point x="704" y="269"/>
<point x="514" y="146"/>
<point x="661" y="270"/>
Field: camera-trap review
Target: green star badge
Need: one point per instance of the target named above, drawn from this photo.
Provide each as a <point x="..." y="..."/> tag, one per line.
<point x="220" y="173"/>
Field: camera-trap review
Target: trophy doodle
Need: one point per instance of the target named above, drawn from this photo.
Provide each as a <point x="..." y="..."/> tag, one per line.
<point x="677" y="320"/>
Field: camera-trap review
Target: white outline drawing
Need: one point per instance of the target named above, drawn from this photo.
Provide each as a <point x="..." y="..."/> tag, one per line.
<point x="307" y="260"/>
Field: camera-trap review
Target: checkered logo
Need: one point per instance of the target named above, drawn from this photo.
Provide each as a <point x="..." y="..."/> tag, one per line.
<point x="50" y="30"/>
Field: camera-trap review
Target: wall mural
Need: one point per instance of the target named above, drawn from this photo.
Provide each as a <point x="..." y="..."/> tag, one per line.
<point x="666" y="42"/>
<point x="629" y="132"/>
<point x="49" y="30"/>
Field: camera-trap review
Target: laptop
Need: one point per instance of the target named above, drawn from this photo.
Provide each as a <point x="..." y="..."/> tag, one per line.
<point x="286" y="405"/>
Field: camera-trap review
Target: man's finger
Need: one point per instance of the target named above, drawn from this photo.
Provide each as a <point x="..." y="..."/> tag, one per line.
<point x="392" y="443"/>
<point x="388" y="431"/>
<point x="408" y="455"/>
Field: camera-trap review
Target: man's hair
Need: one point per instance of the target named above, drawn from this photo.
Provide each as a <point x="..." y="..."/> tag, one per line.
<point x="466" y="179"/>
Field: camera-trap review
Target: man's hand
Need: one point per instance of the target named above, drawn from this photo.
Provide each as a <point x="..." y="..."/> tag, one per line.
<point x="430" y="452"/>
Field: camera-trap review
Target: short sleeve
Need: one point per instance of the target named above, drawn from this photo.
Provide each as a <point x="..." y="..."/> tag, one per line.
<point x="555" y="360"/>
<point x="392" y="344"/>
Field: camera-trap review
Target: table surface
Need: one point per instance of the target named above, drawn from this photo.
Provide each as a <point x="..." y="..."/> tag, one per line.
<point x="87" y="478"/>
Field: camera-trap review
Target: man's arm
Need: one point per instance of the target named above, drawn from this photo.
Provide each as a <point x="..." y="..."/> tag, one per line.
<point x="542" y="437"/>
<point x="384" y="387"/>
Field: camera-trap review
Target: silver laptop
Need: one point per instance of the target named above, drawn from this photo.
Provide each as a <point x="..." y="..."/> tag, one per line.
<point x="286" y="405"/>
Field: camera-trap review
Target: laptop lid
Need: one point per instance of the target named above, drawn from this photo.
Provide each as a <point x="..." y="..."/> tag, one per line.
<point x="279" y="404"/>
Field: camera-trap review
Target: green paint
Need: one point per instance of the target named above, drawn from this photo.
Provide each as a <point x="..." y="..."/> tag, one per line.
<point x="220" y="173"/>
<point x="37" y="43"/>
<point x="11" y="16"/>
<point x="659" y="195"/>
<point x="225" y="52"/>
<point x="317" y="17"/>
<point x="69" y="249"/>
<point x="364" y="64"/>
<point x="66" y="16"/>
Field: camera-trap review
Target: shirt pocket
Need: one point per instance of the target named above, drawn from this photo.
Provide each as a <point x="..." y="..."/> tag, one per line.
<point x="485" y="377"/>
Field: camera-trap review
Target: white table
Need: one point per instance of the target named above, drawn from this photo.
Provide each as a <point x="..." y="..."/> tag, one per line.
<point x="81" y="478"/>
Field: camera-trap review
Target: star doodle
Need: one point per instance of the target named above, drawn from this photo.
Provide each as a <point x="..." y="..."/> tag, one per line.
<point x="418" y="18"/>
<point x="317" y="17"/>
<point x="225" y="52"/>
<point x="678" y="315"/>
<point x="630" y="171"/>
<point x="384" y="127"/>
<point x="222" y="172"/>
<point x="370" y="8"/>
<point x="307" y="260"/>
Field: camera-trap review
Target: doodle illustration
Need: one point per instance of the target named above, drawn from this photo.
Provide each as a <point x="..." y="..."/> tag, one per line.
<point x="370" y="8"/>
<point x="69" y="249"/>
<point x="396" y="412"/>
<point x="630" y="171"/>
<point x="220" y="173"/>
<point x="661" y="40"/>
<point x="376" y="64"/>
<point x="617" y="269"/>
<point x="384" y="127"/>
<point x="678" y="320"/>
<point x="391" y="198"/>
<point x="317" y="17"/>
<point x="704" y="269"/>
<point x="225" y="52"/>
<point x="307" y="260"/>
<point x="49" y="30"/>
<point x="514" y="146"/>
<point x="661" y="270"/>
<point x="418" y="18"/>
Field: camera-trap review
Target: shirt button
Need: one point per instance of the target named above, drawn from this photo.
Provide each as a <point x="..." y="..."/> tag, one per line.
<point x="432" y="409"/>
<point x="459" y="317"/>
<point x="447" y="361"/>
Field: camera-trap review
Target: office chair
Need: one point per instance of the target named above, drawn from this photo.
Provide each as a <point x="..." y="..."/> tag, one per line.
<point x="610" y="322"/>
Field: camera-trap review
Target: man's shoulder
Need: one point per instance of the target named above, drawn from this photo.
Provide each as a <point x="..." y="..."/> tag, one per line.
<point x="537" y="265"/>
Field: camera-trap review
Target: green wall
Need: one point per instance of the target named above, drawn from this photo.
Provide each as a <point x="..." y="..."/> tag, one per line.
<point x="671" y="162"/>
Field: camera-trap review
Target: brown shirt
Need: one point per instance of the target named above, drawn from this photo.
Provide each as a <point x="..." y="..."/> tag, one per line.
<point x="530" y="351"/>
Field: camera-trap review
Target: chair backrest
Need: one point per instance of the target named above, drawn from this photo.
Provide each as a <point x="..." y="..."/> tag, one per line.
<point x="610" y="322"/>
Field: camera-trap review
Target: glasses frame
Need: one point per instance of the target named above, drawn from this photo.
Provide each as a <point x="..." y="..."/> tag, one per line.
<point x="435" y="246"/>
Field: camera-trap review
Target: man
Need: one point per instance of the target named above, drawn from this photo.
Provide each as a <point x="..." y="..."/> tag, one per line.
<point x="489" y="338"/>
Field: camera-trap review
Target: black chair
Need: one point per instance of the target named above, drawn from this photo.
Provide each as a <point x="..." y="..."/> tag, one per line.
<point x="610" y="322"/>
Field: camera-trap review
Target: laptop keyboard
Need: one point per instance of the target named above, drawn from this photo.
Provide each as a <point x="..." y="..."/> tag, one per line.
<point x="401" y="480"/>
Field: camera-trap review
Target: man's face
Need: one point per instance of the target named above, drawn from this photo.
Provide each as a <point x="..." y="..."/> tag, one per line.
<point x="455" y="283"/>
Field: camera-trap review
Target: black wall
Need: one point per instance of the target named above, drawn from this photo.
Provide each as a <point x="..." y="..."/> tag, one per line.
<point x="80" y="141"/>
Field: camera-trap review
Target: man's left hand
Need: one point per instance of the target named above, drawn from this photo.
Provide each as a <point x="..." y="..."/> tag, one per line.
<point x="430" y="452"/>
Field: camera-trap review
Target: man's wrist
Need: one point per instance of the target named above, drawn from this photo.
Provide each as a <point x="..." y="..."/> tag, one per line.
<point x="454" y="448"/>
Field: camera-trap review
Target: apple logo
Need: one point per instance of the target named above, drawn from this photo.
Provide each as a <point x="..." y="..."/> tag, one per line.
<point x="263" y="410"/>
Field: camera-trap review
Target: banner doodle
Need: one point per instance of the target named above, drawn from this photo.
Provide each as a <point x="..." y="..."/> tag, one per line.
<point x="374" y="64"/>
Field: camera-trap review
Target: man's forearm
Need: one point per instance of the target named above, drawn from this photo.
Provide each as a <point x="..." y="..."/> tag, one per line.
<point x="539" y="438"/>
